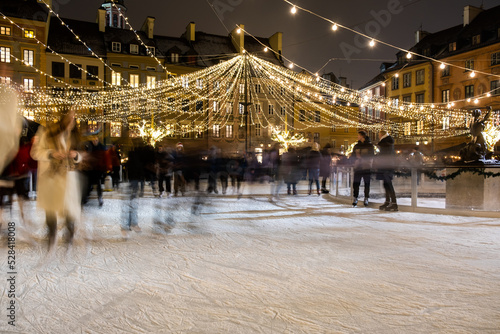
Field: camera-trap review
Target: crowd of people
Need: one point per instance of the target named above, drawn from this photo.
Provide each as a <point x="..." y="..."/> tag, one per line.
<point x="66" y="169"/>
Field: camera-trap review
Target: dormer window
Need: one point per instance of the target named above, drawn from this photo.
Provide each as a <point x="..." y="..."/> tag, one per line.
<point x="150" y="50"/>
<point x="134" y="49"/>
<point x="174" y="57"/>
<point x="116" y="46"/>
<point x="476" y="39"/>
<point x="452" y="47"/>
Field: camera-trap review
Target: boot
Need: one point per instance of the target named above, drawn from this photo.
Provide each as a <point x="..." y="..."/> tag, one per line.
<point x="318" y="192"/>
<point x="392" y="207"/>
<point x="365" y="202"/>
<point x="289" y="192"/>
<point x="383" y="206"/>
<point x="295" y="192"/>
<point x="355" y="202"/>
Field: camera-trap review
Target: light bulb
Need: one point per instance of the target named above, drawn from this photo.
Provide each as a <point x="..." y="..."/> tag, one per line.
<point x="238" y="31"/>
<point x="294" y="10"/>
<point x="472" y="74"/>
<point x="397" y="75"/>
<point x="408" y="55"/>
<point x="442" y="66"/>
<point x="488" y="95"/>
<point x="372" y="43"/>
<point x="265" y="49"/>
<point x="468" y="100"/>
<point x="335" y="27"/>
<point x="291" y="65"/>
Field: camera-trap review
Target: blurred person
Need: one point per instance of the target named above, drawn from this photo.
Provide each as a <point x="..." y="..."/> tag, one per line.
<point x="417" y="161"/>
<point x="97" y="164"/>
<point x="55" y="149"/>
<point x="178" y="168"/>
<point x="10" y="126"/>
<point x="165" y="162"/>
<point x="213" y="169"/>
<point x="325" y="170"/>
<point x="362" y="154"/>
<point x="290" y="166"/>
<point x="385" y="161"/>
<point x="115" y="159"/>
<point x="236" y="169"/>
<point x="313" y="165"/>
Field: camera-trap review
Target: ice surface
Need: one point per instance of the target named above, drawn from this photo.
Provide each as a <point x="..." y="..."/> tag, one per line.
<point x="295" y="265"/>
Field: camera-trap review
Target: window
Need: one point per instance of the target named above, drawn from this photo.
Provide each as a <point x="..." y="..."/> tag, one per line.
<point x="116" y="78"/>
<point x="4" y="54"/>
<point x="28" y="85"/>
<point x="395" y="82"/>
<point x="242" y="88"/>
<point x="198" y="132"/>
<point x="346" y="130"/>
<point x="407" y="99"/>
<point x="495" y="58"/>
<point x="283" y="111"/>
<point x="420" y="98"/>
<point x="257" y="88"/>
<point x="317" y="116"/>
<point x="270" y="89"/>
<point x="74" y="71"/>
<point x="57" y="69"/>
<point x="241" y="109"/>
<point x="282" y="91"/>
<point x="93" y="126"/>
<point x="420" y="77"/>
<point x="174" y="58"/>
<point x="446" y="123"/>
<point x="229" y="108"/>
<point x="229" y="131"/>
<point x="29" y="57"/>
<point x="115" y="20"/>
<point x="407" y="129"/>
<point x="271" y="109"/>
<point x="469" y="91"/>
<point x="150" y="68"/>
<point x="116" y="65"/>
<point x="134" y="80"/>
<point x="446" y="71"/>
<point x="185" y="82"/>
<point x="452" y="47"/>
<point x="116" y="47"/>
<point x="151" y="81"/>
<point x="302" y="115"/>
<point x="407" y="80"/>
<point x="92" y="72"/>
<point x="5" y="80"/>
<point x="6" y="31"/>
<point x="29" y="34"/>
<point x="257" y="109"/>
<point x="216" y="85"/>
<point x="476" y="39"/>
<point x="199" y="105"/>
<point x="495" y="87"/>
<point x="134" y="49"/>
<point x="215" y="106"/>
<point x="334" y="128"/>
<point x="316" y="137"/>
<point x="445" y="96"/>
<point x="116" y="129"/>
<point x="216" y="131"/>
<point x="185" y="131"/>
<point x="150" y="50"/>
<point x="420" y="127"/>
<point x="199" y="83"/>
<point x="257" y="130"/>
<point x="185" y="105"/>
<point x="469" y="64"/>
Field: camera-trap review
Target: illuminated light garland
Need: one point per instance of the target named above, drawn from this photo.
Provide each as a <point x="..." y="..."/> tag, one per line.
<point x="152" y="134"/>
<point x="491" y="136"/>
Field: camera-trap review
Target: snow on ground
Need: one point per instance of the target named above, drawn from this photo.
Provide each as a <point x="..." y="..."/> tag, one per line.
<point x="300" y="264"/>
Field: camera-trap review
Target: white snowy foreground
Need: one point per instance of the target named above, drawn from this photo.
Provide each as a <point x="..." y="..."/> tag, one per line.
<point x="298" y="265"/>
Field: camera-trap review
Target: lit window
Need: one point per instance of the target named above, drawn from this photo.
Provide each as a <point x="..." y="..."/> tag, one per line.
<point x="151" y="81"/>
<point x="446" y="71"/>
<point x="4" y="54"/>
<point x="229" y="108"/>
<point x="469" y="64"/>
<point x="116" y="78"/>
<point x="452" y="47"/>
<point x="134" y="49"/>
<point x="395" y="83"/>
<point x="174" y="57"/>
<point x="476" y="39"/>
<point x="407" y="128"/>
<point x="185" y="82"/>
<point x="134" y="80"/>
<point x="242" y="89"/>
<point x="420" y="77"/>
<point x="116" y="129"/>
<point x="216" y="131"/>
<point x="5" y="80"/>
<point x="28" y="85"/>
<point x="420" y="127"/>
<point x="92" y="126"/>
<point x="29" y="34"/>
<point x="257" y="109"/>
<point x="116" y="47"/>
<point x="445" y="96"/>
<point x="229" y="131"/>
<point x="316" y="137"/>
<point x="199" y="83"/>
<point x="257" y="130"/>
<point x="241" y="109"/>
<point x="6" y="31"/>
<point x="133" y="130"/>
<point x="407" y="80"/>
<point x="495" y="58"/>
<point x="29" y="57"/>
<point x="185" y="131"/>
<point x="446" y="123"/>
<point x="215" y="106"/>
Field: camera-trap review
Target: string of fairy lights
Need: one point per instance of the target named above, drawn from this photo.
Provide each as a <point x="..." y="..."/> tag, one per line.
<point x="195" y="102"/>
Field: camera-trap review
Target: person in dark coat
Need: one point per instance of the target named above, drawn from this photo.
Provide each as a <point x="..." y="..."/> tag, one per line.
<point x="96" y="158"/>
<point x="385" y="169"/>
<point x="313" y="165"/>
<point x="290" y="166"/>
<point x="325" y="169"/>
<point x="362" y="156"/>
<point x="165" y="162"/>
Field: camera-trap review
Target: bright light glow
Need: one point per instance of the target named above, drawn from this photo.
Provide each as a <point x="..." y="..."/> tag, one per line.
<point x="238" y="31"/>
<point x="476" y="101"/>
<point x="265" y="49"/>
<point x="372" y="43"/>
<point x="488" y="95"/>
<point x="433" y="106"/>
<point x="291" y="65"/>
<point x="383" y="84"/>
<point x="408" y="55"/>
<point x="442" y="66"/>
<point x="472" y="74"/>
<point x="397" y="75"/>
<point x="294" y="10"/>
<point x="335" y="27"/>
<point x="468" y="100"/>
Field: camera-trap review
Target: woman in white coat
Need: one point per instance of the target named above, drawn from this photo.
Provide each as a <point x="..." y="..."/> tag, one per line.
<point x="59" y="191"/>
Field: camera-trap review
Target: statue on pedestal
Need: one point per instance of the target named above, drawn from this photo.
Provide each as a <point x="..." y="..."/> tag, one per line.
<point x="476" y="150"/>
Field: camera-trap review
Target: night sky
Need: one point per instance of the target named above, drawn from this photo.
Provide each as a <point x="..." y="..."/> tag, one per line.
<point x="308" y="41"/>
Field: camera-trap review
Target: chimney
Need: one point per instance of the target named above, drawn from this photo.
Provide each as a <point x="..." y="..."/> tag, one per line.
<point x="470" y="13"/>
<point x="148" y="26"/>
<point x="238" y="39"/>
<point x="190" y="34"/>
<point x="276" y="43"/>
<point x="101" y="19"/>
<point x="420" y="35"/>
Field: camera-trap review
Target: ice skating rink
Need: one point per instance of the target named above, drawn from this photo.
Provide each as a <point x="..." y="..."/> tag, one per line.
<point x="297" y="265"/>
